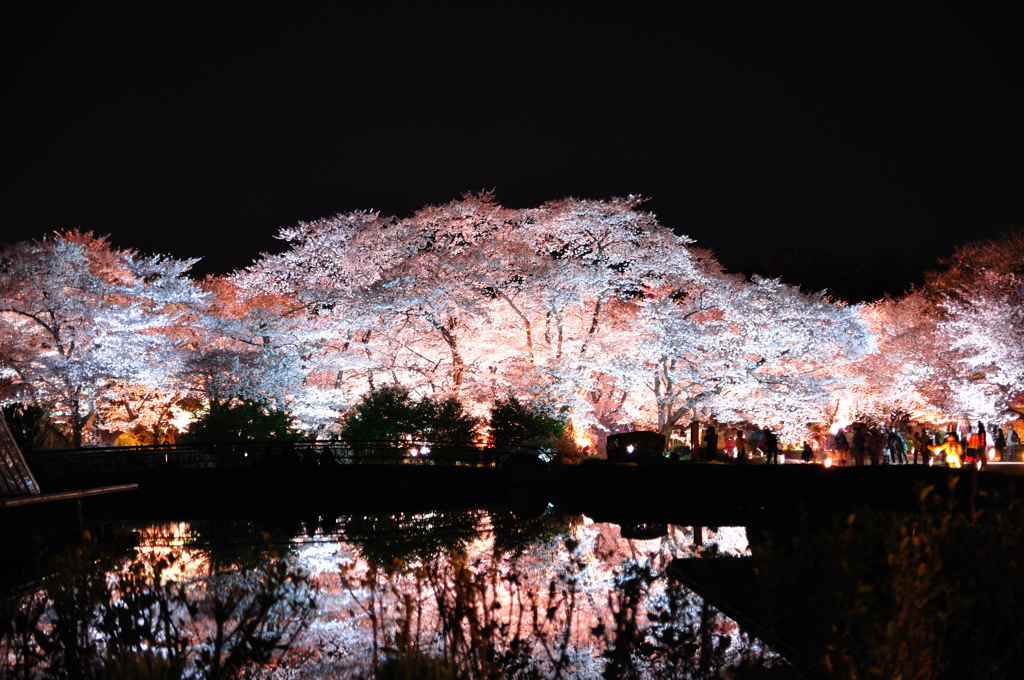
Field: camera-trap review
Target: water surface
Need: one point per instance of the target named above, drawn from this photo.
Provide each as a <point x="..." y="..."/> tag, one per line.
<point x="487" y="593"/>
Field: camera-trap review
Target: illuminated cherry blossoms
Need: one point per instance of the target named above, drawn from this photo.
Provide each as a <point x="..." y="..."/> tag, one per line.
<point x="586" y="308"/>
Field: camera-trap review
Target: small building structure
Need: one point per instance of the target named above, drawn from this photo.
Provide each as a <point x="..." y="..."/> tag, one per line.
<point x="630" y="447"/>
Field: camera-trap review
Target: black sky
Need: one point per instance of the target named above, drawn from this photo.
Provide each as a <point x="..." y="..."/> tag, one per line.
<point x="200" y="134"/>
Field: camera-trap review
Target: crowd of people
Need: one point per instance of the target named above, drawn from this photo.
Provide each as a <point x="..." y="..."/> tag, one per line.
<point x="862" y="444"/>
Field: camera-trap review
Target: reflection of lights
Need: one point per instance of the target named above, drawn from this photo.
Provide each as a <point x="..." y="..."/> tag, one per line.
<point x="688" y="542"/>
<point x="600" y="546"/>
<point x="828" y="462"/>
<point x="170" y="542"/>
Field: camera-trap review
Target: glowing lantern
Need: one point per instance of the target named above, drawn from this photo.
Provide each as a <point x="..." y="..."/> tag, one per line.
<point x="828" y="462"/>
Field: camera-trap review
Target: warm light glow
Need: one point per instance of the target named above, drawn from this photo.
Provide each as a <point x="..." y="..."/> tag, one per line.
<point x="181" y="419"/>
<point x="630" y="448"/>
<point x="828" y="462"/>
<point x="845" y="410"/>
<point x="168" y="542"/>
<point x="769" y="344"/>
<point x="581" y="434"/>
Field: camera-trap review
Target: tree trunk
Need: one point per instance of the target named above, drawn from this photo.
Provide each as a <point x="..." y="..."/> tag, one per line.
<point x="593" y="324"/>
<point x="458" y="366"/>
<point x="526" y="322"/>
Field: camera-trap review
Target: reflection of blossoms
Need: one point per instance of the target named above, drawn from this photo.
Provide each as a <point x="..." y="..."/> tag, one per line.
<point x="547" y="610"/>
<point x="146" y="618"/>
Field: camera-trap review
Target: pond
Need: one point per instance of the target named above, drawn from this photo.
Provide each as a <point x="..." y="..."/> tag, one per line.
<point x="484" y="592"/>
<point x="471" y="592"/>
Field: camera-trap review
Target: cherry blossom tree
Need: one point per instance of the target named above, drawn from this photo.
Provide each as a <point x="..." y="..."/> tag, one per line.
<point x="908" y="377"/>
<point x="580" y="269"/>
<point x="153" y="414"/>
<point x="739" y="350"/>
<point x="1002" y="255"/>
<point x="797" y="347"/>
<point x="950" y="351"/>
<point x="981" y="329"/>
<point x="386" y="300"/>
<point x="590" y="308"/>
<point x="80" y="318"/>
<point x="263" y="347"/>
<point x="575" y="304"/>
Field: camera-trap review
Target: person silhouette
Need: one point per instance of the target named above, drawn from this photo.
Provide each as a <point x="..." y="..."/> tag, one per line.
<point x="771" y="446"/>
<point x="710" y="443"/>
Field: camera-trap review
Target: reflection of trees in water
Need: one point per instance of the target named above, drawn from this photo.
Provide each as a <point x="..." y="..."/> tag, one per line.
<point x="514" y="535"/>
<point x="576" y="600"/>
<point x="384" y="538"/>
<point x="226" y="542"/>
<point x="99" y="615"/>
<point x="469" y="593"/>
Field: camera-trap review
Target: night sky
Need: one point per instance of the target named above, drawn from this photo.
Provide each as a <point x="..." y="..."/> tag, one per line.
<point x="836" y="148"/>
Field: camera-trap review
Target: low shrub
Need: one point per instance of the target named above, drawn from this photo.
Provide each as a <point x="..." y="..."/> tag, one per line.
<point x="225" y="421"/>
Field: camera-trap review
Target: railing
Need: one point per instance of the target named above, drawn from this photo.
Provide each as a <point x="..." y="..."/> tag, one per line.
<point x="266" y="454"/>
